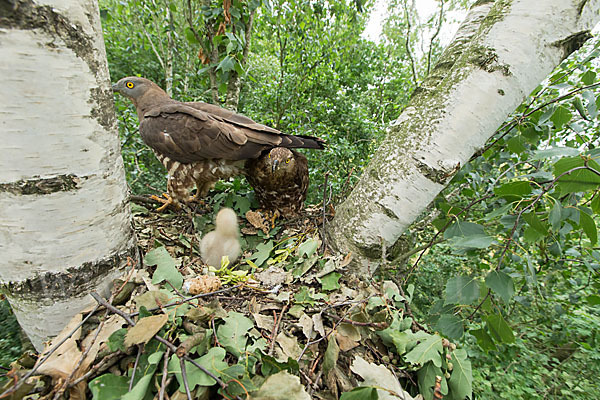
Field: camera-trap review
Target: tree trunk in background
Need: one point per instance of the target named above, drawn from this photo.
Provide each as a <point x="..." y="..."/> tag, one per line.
<point x="65" y="224"/>
<point x="234" y="86"/>
<point x="501" y="52"/>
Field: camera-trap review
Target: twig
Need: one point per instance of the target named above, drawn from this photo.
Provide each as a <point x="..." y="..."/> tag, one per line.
<point x="163" y="382"/>
<point x="83" y="356"/>
<point x="50" y="352"/>
<point x="376" y="325"/>
<point x="407" y="42"/>
<point x="113" y="357"/>
<point x="437" y="32"/>
<point x="180" y="302"/>
<point x="142" y="199"/>
<point x="184" y="377"/>
<point x="275" y="329"/>
<point x="135" y="365"/>
<point x="324" y="209"/>
<point x="169" y="345"/>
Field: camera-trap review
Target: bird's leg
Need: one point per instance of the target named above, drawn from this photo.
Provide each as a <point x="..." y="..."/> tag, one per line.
<point x="167" y="201"/>
<point x="274" y="217"/>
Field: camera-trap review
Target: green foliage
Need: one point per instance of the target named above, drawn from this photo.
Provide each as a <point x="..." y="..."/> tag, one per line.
<point x="10" y="342"/>
<point x="519" y="257"/>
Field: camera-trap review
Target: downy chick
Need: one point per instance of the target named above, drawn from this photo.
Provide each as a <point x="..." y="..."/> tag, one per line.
<point x="223" y="241"/>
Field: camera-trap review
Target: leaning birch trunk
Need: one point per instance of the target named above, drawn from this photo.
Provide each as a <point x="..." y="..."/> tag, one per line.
<point x="501" y="52"/>
<point x="65" y="224"/>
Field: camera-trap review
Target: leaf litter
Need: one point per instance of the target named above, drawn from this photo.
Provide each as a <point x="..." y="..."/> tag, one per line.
<point x="286" y="322"/>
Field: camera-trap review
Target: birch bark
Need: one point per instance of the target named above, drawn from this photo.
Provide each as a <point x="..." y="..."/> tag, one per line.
<point x="501" y="52"/>
<point x="65" y="224"/>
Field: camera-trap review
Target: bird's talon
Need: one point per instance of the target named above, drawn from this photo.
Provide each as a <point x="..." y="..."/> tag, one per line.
<point x="166" y="203"/>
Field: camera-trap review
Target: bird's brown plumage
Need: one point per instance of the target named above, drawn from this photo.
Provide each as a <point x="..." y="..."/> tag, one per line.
<point x="198" y="142"/>
<point x="280" y="180"/>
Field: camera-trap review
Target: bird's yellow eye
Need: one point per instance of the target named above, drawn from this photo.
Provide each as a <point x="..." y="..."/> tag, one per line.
<point x="269" y="155"/>
<point x="287" y="161"/>
<point x="130" y="85"/>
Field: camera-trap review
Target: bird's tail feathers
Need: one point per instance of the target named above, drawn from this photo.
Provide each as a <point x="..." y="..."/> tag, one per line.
<point x="303" y="141"/>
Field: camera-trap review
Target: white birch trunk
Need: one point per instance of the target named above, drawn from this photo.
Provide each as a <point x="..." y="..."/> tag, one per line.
<point x="502" y="51"/>
<point x="65" y="224"/>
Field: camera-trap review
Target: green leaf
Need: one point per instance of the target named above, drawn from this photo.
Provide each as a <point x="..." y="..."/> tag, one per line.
<point x="330" y="281"/>
<point x="472" y="242"/>
<point x="109" y="386"/>
<point x="517" y="189"/>
<point x="561" y="116"/>
<point x="460" y="228"/>
<point x="534" y="221"/>
<point x="500" y="329"/>
<point x="595" y="204"/>
<point x="588" y="77"/>
<point x="429" y="349"/>
<point x="306" y="295"/>
<point x="117" y="339"/>
<point x="589" y="226"/>
<point x="578" y="104"/>
<point x="461" y="380"/>
<point x="555" y="216"/>
<point x="360" y="393"/>
<point x="165" y="267"/>
<point x="330" y="358"/>
<point x="593" y="300"/>
<point x="580" y="180"/>
<point x="212" y="361"/>
<point x="461" y="290"/>
<point x="308" y="247"/>
<point x="269" y="365"/>
<point x="540" y="155"/>
<point x="233" y="335"/>
<point x="515" y="144"/>
<point x="484" y="340"/>
<point x="263" y="252"/>
<point x="501" y="283"/>
<point x="426" y="379"/>
<point x="226" y="64"/>
<point x="450" y="326"/>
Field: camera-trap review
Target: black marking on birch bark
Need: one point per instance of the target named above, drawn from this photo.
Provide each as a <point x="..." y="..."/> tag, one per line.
<point x="26" y="15"/>
<point x="487" y="60"/>
<point x="73" y="282"/>
<point x="104" y="106"/>
<point x="440" y="176"/>
<point x="581" y="6"/>
<point x="573" y="43"/>
<point x="42" y="186"/>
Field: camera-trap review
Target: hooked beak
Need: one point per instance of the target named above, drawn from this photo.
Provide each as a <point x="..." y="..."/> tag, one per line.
<point x="275" y="165"/>
<point x="115" y="87"/>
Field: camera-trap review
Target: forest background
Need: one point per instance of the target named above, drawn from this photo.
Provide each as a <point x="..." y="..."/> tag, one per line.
<point x="305" y="67"/>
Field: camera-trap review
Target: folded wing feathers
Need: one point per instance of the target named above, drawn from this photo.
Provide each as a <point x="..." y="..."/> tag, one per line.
<point x="244" y="137"/>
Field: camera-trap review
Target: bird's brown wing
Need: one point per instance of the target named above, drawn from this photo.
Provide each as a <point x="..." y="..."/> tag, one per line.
<point x="289" y="141"/>
<point x="187" y="134"/>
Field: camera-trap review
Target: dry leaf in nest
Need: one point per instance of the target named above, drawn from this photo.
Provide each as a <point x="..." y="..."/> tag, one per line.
<point x="145" y="329"/>
<point x="202" y="284"/>
<point x="258" y="221"/>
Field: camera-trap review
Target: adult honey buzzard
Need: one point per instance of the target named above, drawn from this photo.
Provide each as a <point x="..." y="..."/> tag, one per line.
<point x="200" y="143"/>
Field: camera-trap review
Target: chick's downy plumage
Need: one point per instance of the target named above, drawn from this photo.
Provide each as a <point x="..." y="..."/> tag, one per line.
<point x="223" y="241"/>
